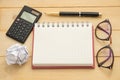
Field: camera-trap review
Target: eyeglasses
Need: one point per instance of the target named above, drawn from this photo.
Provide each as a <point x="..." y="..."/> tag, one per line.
<point x="105" y="55"/>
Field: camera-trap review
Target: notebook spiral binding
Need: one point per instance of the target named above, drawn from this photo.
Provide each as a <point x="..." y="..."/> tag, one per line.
<point x="63" y="24"/>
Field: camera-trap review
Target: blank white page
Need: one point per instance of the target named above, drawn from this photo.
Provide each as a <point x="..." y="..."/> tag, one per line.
<point x="63" y="44"/>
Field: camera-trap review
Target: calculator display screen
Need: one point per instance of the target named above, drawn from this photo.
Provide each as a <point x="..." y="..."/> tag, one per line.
<point x="28" y="17"/>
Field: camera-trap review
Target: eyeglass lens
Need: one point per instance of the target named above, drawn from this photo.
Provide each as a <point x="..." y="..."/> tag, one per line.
<point x="105" y="56"/>
<point x="103" y="30"/>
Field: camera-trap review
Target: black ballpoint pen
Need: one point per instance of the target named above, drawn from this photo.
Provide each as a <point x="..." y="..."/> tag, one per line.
<point x="82" y="14"/>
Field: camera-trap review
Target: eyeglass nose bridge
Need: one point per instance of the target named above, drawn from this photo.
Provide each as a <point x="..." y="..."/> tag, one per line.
<point x="108" y="38"/>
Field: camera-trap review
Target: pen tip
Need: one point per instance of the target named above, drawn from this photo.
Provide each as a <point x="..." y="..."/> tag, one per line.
<point x="52" y="14"/>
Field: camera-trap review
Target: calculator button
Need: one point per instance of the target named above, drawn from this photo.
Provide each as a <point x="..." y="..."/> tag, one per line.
<point x="18" y="19"/>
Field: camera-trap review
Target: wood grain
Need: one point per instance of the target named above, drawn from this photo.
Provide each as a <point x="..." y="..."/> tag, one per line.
<point x="58" y="3"/>
<point x="15" y="72"/>
<point x="112" y="13"/>
<point x="9" y="9"/>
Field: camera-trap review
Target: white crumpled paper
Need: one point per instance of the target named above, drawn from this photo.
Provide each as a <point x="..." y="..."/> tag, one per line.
<point x="16" y="54"/>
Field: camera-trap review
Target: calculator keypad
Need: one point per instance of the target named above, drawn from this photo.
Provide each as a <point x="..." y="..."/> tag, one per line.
<point x="20" y="30"/>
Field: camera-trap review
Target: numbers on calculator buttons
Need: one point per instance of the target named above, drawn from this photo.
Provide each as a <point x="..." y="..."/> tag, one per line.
<point x="20" y="30"/>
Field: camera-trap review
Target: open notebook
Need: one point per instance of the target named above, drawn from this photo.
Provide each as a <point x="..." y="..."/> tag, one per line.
<point x="63" y="45"/>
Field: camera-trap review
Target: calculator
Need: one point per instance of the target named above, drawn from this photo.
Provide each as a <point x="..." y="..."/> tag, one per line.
<point x="23" y="24"/>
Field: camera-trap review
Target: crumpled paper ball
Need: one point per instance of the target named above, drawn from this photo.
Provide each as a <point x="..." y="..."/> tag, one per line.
<point x="16" y="54"/>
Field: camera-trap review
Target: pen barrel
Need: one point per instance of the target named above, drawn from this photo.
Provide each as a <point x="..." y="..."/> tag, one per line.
<point x="69" y="13"/>
<point x="89" y="14"/>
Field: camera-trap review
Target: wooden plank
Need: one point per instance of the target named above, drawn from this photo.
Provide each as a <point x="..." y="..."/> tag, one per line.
<point x="6" y="42"/>
<point x="7" y="15"/>
<point x="10" y="8"/>
<point x="56" y="3"/>
<point x="25" y="72"/>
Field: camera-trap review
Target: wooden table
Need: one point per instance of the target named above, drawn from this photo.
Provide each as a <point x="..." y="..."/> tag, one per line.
<point x="8" y="12"/>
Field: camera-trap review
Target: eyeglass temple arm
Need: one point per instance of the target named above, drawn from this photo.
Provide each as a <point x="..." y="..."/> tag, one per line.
<point x="106" y="59"/>
<point x="106" y="33"/>
<point x="103" y="30"/>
